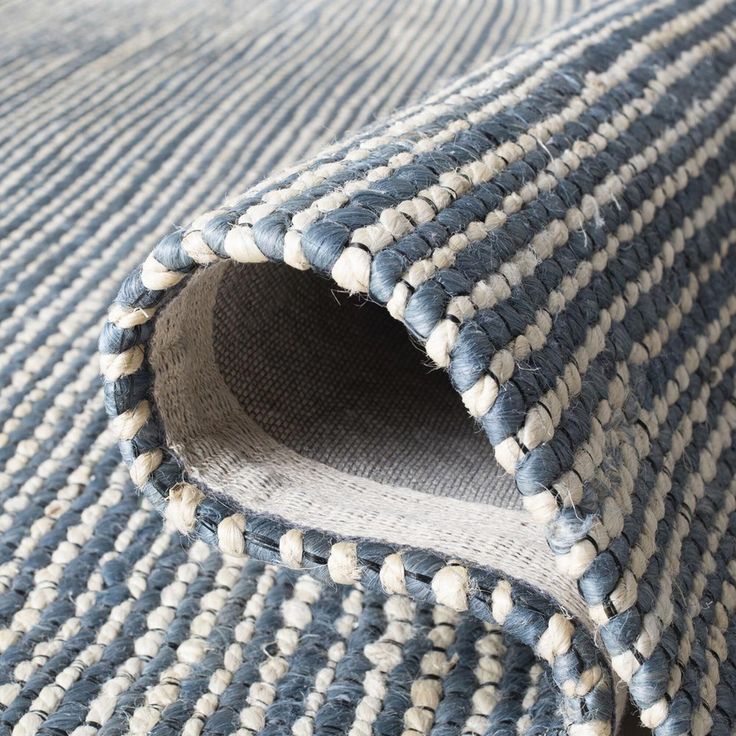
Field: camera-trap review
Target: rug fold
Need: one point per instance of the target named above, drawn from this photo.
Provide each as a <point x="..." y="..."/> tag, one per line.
<point x="555" y="233"/>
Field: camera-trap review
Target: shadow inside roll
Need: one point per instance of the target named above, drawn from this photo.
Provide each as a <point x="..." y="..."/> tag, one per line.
<point x="312" y="416"/>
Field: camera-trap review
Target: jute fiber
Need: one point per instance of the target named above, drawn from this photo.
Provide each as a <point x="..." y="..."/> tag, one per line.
<point x="439" y="421"/>
<point x="120" y="121"/>
<point x="555" y="231"/>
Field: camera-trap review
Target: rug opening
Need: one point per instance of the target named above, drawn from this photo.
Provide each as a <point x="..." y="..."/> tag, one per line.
<point x="284" y="397"/>
<point x="337" y="380"/>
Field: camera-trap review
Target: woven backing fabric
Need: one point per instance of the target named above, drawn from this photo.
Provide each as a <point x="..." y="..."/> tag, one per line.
<point x="558" y="233"/>
<point x="120" y="120"/>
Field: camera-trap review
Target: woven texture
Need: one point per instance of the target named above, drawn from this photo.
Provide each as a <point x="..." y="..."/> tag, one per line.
<point x="120" y="121"/>
<point x="557" y="232"/>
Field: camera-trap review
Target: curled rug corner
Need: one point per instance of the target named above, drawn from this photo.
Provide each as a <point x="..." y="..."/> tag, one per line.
<point x="555" y="232"/>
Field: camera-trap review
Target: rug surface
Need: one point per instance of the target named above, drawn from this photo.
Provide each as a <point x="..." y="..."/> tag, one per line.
<point x="544" y="244"/>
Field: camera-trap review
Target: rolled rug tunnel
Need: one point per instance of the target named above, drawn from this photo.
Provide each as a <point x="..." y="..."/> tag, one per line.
<point x="478" y="361"/>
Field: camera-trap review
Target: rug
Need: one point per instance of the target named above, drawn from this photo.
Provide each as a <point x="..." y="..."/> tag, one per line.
<point x="543" y="244"/>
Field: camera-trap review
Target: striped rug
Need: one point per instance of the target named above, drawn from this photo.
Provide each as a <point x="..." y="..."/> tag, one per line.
<point x="554" y="229"/>
<point x="120" y="121"/>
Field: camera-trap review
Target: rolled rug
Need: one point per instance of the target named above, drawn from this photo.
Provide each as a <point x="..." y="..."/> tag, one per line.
<point x="544" y="245"/>
<point x="555" y="232"/>
<point x="117" y="121"/>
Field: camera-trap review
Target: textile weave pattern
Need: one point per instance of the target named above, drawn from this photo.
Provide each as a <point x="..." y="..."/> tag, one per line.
<point x="557" y="231"/>
<point x="120" y="121"/>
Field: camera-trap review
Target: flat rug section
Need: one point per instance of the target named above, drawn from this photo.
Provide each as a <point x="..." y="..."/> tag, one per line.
<point x="556" y="232"/>
<point x="118" y="122"/>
